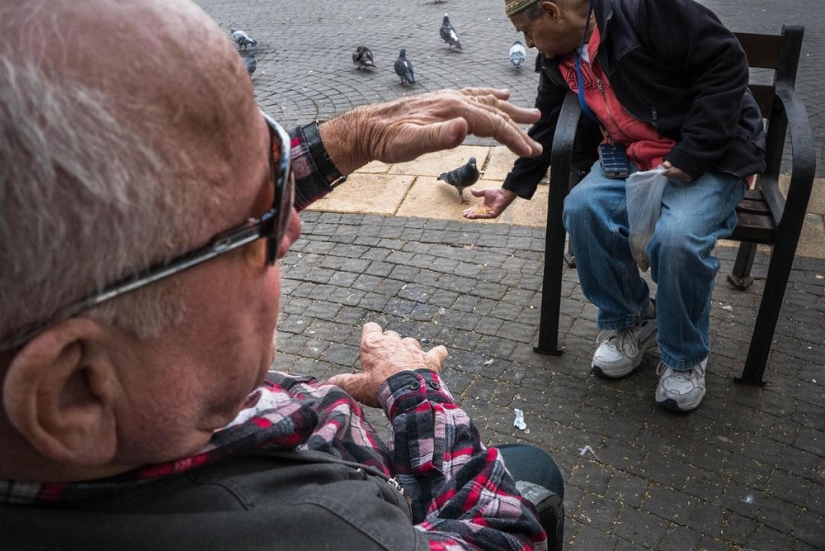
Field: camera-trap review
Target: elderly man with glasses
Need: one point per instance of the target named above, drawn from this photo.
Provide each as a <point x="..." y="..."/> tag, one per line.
<point x="143" y="208"/>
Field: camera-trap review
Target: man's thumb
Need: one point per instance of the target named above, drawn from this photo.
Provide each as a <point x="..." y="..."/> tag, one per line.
<point x="342" y="379"/>
<point x="477" y="192"/>
<point x="450" y="134"/>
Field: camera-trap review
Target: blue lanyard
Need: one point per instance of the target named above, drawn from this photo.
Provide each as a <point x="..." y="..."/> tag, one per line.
<point x="585" y="109"/>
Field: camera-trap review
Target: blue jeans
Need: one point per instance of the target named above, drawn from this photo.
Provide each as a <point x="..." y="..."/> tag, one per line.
<point x="693" y="217"/>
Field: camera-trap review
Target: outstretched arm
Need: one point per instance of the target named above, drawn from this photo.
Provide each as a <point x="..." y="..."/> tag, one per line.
<point x="462" y="495"/>
<point x="404" y="129"/>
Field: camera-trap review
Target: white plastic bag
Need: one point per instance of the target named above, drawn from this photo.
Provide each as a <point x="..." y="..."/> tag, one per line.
<point x="644" y="205"/>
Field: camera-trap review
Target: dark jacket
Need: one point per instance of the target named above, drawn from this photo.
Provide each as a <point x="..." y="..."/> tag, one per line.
<point x="674" y="65"/>
<point x="268" y="500"/>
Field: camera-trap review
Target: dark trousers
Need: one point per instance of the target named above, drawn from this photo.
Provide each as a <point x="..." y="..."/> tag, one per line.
<point x="539" y="480"/>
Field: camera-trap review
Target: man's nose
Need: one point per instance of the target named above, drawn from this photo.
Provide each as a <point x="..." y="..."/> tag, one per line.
<point x="528" y="41"/>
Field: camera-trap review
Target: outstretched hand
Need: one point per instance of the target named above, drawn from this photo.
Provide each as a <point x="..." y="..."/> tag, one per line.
<point x="404" y="129"/>
<point x="383" y="354"/>
<point x="496" y="200"/>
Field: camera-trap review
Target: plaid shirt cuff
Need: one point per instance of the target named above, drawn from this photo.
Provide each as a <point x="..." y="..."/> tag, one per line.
<point x="406" y="390"/>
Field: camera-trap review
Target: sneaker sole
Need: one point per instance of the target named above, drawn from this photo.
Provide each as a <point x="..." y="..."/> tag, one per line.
<point x="672" y="405"/>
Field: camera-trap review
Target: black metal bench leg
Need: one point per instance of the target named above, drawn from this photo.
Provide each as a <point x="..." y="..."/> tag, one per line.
<point x="553" y="267"/>
<point x="779" y="270"/>
<point x="740" y="276"/>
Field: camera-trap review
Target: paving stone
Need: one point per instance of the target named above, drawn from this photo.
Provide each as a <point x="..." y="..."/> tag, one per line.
<point x="591" y="538"/>
<point x="353" y="268"/>
<point x="641" y="528"/>
<point x="669" y="504"/>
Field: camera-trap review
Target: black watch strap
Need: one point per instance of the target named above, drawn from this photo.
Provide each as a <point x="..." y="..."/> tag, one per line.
<point x="312" y="139"/>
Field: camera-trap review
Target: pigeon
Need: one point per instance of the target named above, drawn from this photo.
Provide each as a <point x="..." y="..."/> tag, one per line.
<point x="517" y="54"/>
<point x="362" y="58"/>
<point x="462" y="177"/>
<point x="404" y="69"/>
<point x="448" y="34"/>
<point x="251" y="63"/>
<point x="242" y="39"/>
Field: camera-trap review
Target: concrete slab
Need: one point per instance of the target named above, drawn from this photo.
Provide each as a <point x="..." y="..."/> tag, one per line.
<point x="375" y="167"/>
<point x="368" y="194"/>
<point x="528" y="213"/>
<point x="812" y="240"/>
<point x="431" y="198"/>
<point x="499" y="163"/>
<point x="817" y="202"/>
<point x="434" y="164"/>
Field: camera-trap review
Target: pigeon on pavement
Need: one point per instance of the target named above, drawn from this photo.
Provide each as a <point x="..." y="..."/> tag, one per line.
<point x="448" y="33"/>
<point x="362" y="58"/>
<point x="404" y="69"/>
<point x="517" y="54"/>
<point x="462" y="177"/>
<point x="242" y="39"/>
<point x="251" y="63"/>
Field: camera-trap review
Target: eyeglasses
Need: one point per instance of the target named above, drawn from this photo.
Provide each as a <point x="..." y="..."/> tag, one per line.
<point x="270" y="226"/>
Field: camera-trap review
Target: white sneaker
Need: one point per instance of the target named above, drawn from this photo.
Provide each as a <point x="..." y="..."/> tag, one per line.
<point x="620" y="351"/>
<point x="681" y="390"/>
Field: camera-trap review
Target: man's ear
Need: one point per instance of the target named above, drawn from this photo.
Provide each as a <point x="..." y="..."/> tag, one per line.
<point x="552" y="10"/>
<point x="59" y="393"/>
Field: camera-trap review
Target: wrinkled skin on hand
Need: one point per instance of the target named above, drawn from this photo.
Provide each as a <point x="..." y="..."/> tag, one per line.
<point x="496" y="201"/>
<point x="383" y="354"/>
<point x="404" y="129"/>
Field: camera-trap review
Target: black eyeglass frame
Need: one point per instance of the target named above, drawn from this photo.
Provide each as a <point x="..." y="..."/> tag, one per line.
<point x="271" y="225"/>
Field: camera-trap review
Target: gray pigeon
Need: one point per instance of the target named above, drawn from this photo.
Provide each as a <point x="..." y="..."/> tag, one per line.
<point x="362" y="58"/>
<point x="404" y="69"/>
<point x="242" y="39"/>
<point x="517" y="54"/>
<point x="462" y="177"/>
<point x="251" y="63"/>
<point x="448" y="33"/>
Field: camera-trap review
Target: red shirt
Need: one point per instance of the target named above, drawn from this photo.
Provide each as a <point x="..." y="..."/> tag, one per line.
<point x="645" y="146"/>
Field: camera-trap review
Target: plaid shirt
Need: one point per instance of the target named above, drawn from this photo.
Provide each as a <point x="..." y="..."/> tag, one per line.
<point x="462" y="494"/>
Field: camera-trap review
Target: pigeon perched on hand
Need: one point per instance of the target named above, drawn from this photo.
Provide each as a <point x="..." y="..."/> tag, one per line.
<point x="448" y="33"/>
<point x="362" y="58"/>
<point x="462" y="177"/>
<point x="404" y="69"/>
<point x="242" y="39"/>
<point x="517" y="54"/>
<point x="250" y="62"/>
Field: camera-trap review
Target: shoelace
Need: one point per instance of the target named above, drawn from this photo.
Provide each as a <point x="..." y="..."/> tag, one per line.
<point x="619" y="339"/>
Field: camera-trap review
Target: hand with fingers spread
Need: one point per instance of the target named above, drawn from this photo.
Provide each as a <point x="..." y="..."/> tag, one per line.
<point x="383" y="354"/>
<point x="404" y="129"/>
<point x="496" y="201"/>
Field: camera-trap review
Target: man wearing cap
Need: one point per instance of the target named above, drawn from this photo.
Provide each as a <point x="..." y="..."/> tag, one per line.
<point x="143" y="208"/>
<point x="665" y="85"/>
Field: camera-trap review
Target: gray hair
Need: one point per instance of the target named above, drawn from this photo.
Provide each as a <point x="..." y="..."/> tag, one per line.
<point x="85" y="199"/>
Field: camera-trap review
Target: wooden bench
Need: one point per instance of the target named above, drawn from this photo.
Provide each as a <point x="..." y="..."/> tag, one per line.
<point x="765" y="215"/>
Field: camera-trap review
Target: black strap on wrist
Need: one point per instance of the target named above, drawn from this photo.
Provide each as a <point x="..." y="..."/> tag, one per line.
<point x="312" y="139"/>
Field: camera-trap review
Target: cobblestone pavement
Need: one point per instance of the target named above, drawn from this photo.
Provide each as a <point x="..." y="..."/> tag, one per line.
<point x="305" y="68"/>
<point x="747" y="470"/>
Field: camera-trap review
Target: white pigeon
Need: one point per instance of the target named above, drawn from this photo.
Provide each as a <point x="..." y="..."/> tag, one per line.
<point x="242" y="39"/>
<point x="448" y="33"/>
<point x="517" y="54"/>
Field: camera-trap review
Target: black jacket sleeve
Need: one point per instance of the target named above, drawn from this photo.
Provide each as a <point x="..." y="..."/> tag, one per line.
<point x="528" y="171"/>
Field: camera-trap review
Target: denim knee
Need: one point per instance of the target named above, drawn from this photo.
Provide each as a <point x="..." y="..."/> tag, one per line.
<point x="578" y="208"/>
